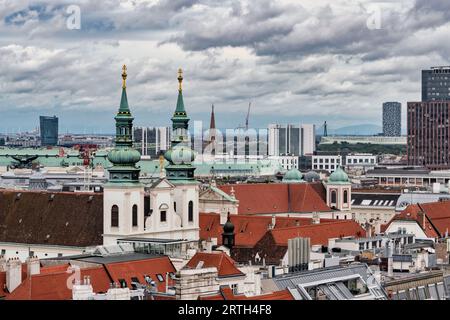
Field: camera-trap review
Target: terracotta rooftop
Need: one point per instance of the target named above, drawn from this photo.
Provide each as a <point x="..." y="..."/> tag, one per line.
<point x="249" y="229"/>
<point x="319" y="233"/>
<point x="220" y="260"/>
<point x="64" y="218"/>
<point x="155" y="268"/>
<point x="51" y="283"/>
<point x="267" y="198"/>
<point x="433" y="218"/>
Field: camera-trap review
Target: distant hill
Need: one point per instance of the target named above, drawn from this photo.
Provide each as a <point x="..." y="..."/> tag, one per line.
<point x="357" y="130"/>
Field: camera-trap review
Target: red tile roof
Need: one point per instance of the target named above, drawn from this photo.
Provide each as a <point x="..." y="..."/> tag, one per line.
<point x="220" y="260"/>
<point x="319" y="233"/>
<point x="436" y="214"/>
<point x="3" y="284"/>
<point x="140" y="268"/>
<point x="249" y="229"/>
<point x="53" y="286"/>
<point x="51" y="283"/>
<point x="227" y="294"/>
<point x="279" y="197"/>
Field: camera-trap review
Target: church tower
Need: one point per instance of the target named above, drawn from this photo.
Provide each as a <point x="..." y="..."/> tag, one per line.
<point x="123" y="196"/>
<point x="339" y="191"/>
<point x="180" y="171"/>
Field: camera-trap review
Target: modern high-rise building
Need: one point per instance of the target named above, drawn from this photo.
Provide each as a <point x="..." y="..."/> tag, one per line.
<point x="428" y="134"/>
<point x="436" y="84"/>
<point x="290" y="139"/>
<point x="392" y="119"/>
<point x="150" y="141"/>
<point x="49" y="130"/>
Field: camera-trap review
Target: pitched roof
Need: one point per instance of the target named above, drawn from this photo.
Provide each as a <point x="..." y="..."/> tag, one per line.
<point x="266" y="198"/>
<point x="319" y="233"/>
<point x="249" y="229"/>
<point x="220" y="260"/>
<point x="53" y="286"/>
<point x="51" y="283"/>
<point x="141" y="268"/>
<point x="227" y="294"/>
<point x="436" y="214"/>
<point x="63" y="218"/>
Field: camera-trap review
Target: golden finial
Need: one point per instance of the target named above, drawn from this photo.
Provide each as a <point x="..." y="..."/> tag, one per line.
<point x="124" y="76"/>
<point x="180" y="79"/>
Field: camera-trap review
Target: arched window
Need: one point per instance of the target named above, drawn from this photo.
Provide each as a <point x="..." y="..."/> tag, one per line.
<point x="163" y="212"/>
<point x="346" y="197"/>
<point x="191" y="211"/>
<point x="333" y="196"/>
<point x="135" y="215"/>
<point x="114" y="216"/>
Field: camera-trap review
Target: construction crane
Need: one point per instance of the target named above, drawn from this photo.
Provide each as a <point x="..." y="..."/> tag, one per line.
<point x="248" y="115"/>
<point x="240" y="127"/>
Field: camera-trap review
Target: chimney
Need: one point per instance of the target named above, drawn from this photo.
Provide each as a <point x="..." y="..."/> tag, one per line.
<point x="83" y="290"/>
<point x="33" y="266"/>
<point x="390" y="259"/>
<point x="13" y="274"/>
<point x="273" y="222"/>
<point x="316" y="218"/>
<point x="2" y="264"/>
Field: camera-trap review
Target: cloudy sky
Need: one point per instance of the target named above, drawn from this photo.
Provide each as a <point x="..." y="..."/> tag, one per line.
<point x="295" y="60"/>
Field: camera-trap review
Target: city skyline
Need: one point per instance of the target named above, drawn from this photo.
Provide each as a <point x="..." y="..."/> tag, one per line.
<point x="312" y="62"/>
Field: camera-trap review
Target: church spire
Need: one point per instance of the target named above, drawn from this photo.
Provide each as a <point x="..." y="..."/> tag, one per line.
<point x="180" y="120"/>
<point x="123" y="156"/>
<point x="180" y="156"/>
<point x="212" y="123"/>
<point x="212" y="129"/>
<point x="124" y="108"/>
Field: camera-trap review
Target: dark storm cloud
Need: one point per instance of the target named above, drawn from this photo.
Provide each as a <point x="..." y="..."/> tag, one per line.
<point x="310" y="59"/>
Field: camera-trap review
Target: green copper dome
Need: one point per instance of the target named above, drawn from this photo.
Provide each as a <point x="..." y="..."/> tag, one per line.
<point x="124" y="156"/>
<point x="180" y="155"/>
<point x="293" y="176"/>
<point x="338" y="176"/>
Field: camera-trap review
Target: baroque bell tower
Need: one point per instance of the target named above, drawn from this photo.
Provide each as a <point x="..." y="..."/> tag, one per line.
<point x="123" y="196"/>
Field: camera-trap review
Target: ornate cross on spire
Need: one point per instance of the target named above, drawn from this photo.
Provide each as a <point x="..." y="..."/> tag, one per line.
<point x="124" y="76"/>
<point x="180" y="79"/>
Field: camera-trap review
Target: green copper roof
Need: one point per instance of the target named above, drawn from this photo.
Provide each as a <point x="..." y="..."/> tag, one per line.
<point x="338" y="177"/>
<point x="180" y="156"/>
<point x="180" y="105"/>
<point x="180" y="119"/>
<point x="293" y="176"/>
<point x="123" y="156"/>
<point x="124" y="108"/>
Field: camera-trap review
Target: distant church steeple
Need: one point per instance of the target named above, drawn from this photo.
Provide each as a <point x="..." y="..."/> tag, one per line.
<point x="212" y="125"/>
